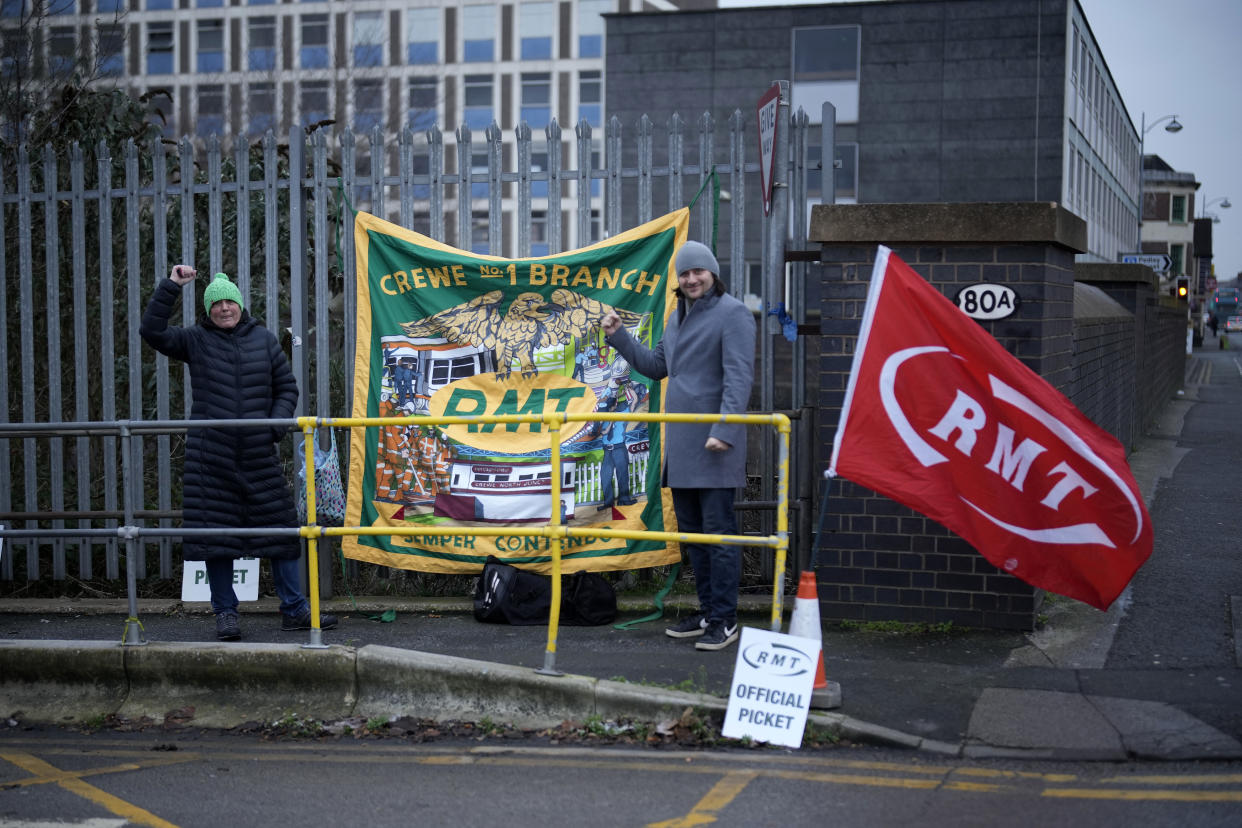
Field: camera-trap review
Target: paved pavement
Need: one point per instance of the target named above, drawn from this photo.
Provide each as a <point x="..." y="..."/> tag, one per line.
<point x="1156" y="677"/>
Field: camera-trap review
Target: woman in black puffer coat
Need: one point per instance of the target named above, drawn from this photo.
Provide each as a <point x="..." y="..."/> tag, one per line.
<point x="233" y="477"/>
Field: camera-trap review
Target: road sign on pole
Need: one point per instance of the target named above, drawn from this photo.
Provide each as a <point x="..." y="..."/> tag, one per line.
<point x="1158" y="262"/>
<point x="767" y="143"/>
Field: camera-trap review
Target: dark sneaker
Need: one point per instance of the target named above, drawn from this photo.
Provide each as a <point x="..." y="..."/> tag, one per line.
<point x="691" y="627"/>
<point x="290" y="623"/>
<point x="227" y="627"/>
<point x="718" y="636"/>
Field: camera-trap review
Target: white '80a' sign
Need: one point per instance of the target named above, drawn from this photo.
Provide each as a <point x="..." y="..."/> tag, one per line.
<point x="985" y="300"/>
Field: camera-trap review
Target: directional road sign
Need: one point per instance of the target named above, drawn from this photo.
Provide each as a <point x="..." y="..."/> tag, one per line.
<point x="1158" y="262"/>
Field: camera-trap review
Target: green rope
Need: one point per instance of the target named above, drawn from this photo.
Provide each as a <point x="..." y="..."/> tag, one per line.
<point x="658" y="600"/>
<point x="715" y="180"/>
<point x="386" y="617"/>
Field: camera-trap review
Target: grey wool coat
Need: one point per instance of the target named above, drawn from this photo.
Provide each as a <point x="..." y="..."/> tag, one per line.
<point x="233" y="477"/>
<point x="708" y="355"/>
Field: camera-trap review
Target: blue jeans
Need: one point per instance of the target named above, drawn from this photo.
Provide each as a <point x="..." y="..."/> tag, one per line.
<point x="717" y="568"/>
<point x="286" y="575"/>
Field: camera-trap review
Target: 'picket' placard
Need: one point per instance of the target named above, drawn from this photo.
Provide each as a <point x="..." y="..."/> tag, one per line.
<point x="772" y="683"/>
<point x="194" y="586"/>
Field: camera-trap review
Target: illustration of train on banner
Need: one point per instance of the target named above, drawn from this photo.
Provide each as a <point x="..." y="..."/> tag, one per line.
<point x="429" y="474"/>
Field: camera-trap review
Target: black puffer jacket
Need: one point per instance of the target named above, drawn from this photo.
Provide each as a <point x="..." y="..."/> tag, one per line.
<point x="233" y="476"/>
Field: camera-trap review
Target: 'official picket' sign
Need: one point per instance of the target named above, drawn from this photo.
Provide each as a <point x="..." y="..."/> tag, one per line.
<point x="194" y="586"/>
<point x="772" y="683"/>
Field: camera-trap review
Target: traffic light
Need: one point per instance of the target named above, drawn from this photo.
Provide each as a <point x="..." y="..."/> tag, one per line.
<point x="1183" y="289"/>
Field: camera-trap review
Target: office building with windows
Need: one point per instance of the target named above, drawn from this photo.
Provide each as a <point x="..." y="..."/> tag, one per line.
<point x="951" y="100"/>
<point x="945" y="101"/>
<point x="244" y="67"/>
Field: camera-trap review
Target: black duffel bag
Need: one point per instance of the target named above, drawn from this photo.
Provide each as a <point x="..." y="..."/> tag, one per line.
<point x="505" y="594"/>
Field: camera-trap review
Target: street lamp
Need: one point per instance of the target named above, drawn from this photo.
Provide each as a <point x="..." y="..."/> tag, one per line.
<point x="1224" y="203"/>
<point x="1173" y="125"/>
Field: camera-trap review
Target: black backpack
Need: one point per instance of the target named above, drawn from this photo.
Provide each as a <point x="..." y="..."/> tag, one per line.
<point x="505" y="594"/>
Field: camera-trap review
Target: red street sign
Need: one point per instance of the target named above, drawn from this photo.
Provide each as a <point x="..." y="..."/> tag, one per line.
<point x="767" y="143"/>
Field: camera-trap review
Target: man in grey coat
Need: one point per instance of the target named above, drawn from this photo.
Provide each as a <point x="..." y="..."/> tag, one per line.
<point x="708" y="355"/>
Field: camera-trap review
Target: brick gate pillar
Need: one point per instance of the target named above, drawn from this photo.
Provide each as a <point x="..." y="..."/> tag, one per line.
<point x="878" y="560"/>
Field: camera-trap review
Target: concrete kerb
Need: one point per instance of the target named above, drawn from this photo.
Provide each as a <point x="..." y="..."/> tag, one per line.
<point x="61" y="682"/>
<point x="65" y="682"/>
<point x="228" y="685"/>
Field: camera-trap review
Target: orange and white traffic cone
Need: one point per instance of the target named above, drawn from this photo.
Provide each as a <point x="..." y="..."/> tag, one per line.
<point x="804" y="623"/>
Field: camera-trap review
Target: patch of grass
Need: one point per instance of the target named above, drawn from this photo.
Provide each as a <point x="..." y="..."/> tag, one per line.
<point x="293" y="725"/>
<point x="899" y="627"/>
<point x="695" y="683"/>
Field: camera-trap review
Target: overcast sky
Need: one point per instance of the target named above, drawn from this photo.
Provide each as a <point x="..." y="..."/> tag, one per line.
<point x="1176" y="57"/>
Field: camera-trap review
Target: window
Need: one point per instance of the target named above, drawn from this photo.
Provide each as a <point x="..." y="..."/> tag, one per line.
<point x="210" y="4"/>
<point x="591" y="27"/>
<point x="536" y="98"/>
<point x="539" y="234"/>
<point x="539" y="163"/>
<point x="313" y="102"/>
<point x="422" y="36"/>
<point x="479" y="25"/>
<point x="210" y="45"/>
<point x="478" y="101"/>
<point x="261" y="106"/>
<point x="314" y="53"/>
<point x="103" y="5"/>
<point x="111" y="49"/>
<point x="594" y="163"/>
<point x="210" y="116"/>
<point x="424" y="94"/>
<point x="538" y="24"/>
<point x="261" y="44"/>
<point x="826" y="53"/>
<point x="368" y="104"/>
<point x="846" y="174"/>
<point x="590" y="98"/>
<point x="825" y="68"/>
<point x="160" y="49"/>
<point x="368" y="39"/>
<point x="478" y="189"/>
<point x="478" y="234"/>
<point x="12" y="55"/>
<point x="1177" y="213"/>
<point x="159" y="5"/>
<point x="1177" y="257"/>
<point x="422" y="167"/>
<point x="62" y="48"/>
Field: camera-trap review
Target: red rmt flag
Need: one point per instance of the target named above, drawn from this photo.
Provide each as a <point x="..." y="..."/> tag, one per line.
<point x="939" y="417"/>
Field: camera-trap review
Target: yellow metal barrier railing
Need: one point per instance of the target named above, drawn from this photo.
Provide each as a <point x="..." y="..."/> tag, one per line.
<point x="554" y="530"/>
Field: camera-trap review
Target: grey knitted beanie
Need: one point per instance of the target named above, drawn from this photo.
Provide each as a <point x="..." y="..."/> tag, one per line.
<point x="696" y="254"/>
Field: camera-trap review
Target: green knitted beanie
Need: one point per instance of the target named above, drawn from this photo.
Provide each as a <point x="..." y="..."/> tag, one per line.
<point x="219" y="289"/>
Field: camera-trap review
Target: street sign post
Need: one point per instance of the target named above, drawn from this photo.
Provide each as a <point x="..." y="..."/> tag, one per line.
<point x="1159" y="262"/>
<point x="767" y="143"/>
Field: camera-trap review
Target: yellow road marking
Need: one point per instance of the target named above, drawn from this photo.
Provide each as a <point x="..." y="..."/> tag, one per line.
<point x="72" y="782"/>
<point x="712" y="803"/>
<point x="915" y="775"/>
<point x="1144" y="796"/>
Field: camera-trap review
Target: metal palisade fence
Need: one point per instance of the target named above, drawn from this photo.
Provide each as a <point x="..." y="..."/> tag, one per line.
<point x="86" y="236"/>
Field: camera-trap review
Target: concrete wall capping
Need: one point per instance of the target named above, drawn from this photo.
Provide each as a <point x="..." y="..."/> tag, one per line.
<point x="967" y="223"/>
